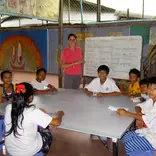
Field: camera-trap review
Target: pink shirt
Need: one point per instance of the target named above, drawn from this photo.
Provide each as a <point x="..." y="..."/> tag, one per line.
<point x="70" y="56"/>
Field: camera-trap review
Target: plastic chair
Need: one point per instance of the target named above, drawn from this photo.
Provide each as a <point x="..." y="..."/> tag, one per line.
<point x="2" y="132"/>
<point x="39" y="154"/>
<point x="144" y="153"/>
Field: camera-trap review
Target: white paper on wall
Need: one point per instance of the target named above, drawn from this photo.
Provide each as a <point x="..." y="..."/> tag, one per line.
<point x="47" y="8"/>
<point x="31" y="7"/>
<point x="23" y="8"/>
<point x="152" y="38"/>
<point x="3" y="5"/>
<point x="12" y="6"/>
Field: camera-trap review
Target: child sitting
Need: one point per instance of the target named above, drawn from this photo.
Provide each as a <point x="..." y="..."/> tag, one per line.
<point x="7" y="88"/>
<point x="102" y="86"/>
<point x="40" y="85"/>
<point x="134" y="88"/>
<point x="22" y="120"/>
<point x="144" y="90"/>
<point x="144" y="97"/>
<point x="142" y="139"/>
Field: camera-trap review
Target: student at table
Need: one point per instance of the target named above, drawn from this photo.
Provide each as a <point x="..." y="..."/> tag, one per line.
<point x="143" y="139"/>
<point x="144" y="89"/>
<point x="71" y="62"/>
<point x="40" y="85"/>
<point x="7" y="88"/>
<point x="102" y="86"/>
<point x="22" y="120"/>
<point x="144" y="96"/>
<point x="134" y="87"/>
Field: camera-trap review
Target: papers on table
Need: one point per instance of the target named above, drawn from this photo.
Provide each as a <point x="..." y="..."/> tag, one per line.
<point x="113" y="108"/>
<point x="136" y="100"/>
<point x="46" y="88"/>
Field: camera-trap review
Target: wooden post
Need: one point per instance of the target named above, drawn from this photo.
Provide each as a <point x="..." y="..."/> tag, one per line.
<point x="143" y="8"/>
<point x="98" y="10"/>
<point x="60" y="40"/>
<point x="69" y="11"/>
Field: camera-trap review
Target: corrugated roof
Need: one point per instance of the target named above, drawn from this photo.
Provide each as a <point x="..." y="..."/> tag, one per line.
<point x="74" y="6"/>
<point x="103" y="8"/>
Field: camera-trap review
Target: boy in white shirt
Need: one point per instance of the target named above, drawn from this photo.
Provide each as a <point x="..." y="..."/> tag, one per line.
<point x="40" y="85"/>
<point x="144" y="96"/>
<point x="142" y="139"/>
<point x="102" y="86"/>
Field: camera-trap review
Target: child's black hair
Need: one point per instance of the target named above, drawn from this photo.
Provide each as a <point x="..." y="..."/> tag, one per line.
<point x="20" y="102"/>
<point x="152" y="80"/>
<point x="144" y="81"/>
<point x="40" y="70"/>
<point x="103" y="68"/>
<point x="5" y="72"/>
<point x="72" y="35"/>
<point x="135" y="71"/>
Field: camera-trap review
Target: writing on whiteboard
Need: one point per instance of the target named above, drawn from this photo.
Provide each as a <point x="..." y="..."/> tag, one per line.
<point x="119" y="53"/>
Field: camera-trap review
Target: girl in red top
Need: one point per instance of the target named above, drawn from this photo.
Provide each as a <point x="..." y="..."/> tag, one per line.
<point x="71" y="62"/>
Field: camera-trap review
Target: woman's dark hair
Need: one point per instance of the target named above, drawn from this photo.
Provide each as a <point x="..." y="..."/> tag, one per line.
<point x="135" y="71"/>
<point x="40" y="70"/>
<point x="144" y="81"/>
<point x="5" y="72"/>
<point x="20" y="102"/>
<point x="72" y="35"/>
<point x="103" y="68"/>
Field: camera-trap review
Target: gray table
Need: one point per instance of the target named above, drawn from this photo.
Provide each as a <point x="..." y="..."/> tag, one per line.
<point x="88" y="114"/>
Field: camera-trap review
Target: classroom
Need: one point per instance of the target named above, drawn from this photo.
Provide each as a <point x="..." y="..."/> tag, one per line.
<point x="78" y="78"/>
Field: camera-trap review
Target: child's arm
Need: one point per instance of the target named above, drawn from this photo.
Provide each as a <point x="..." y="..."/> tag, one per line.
<point x="40" y="117"/>
<point x="1" y="94"/>
<point x="138" y="110"/>
<point x="57" y="121"/>
<point x="139" y="124"/>
<point x="43" y="110"/>
<point x="42" y="91"/>
<point x="125" y="93"/>
<point x="123" y="112"/>
<point x="89" y="89"/>
<point x="1" y="98"/>
<point x="53" y="89"/>
<point x="89" y="93"/>
<point x="108" y="94"/>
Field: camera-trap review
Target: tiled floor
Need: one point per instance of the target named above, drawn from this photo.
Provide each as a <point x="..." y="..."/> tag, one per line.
<point x="69" y="143"/>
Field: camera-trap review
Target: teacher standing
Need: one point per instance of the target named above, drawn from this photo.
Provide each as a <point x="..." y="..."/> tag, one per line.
<point x="71" y="62"/>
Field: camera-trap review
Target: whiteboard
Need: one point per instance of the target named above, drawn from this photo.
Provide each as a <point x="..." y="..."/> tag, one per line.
<point x="120" y="54"/>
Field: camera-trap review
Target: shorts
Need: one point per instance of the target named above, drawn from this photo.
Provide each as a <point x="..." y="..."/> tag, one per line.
<point x="47" y="140"/>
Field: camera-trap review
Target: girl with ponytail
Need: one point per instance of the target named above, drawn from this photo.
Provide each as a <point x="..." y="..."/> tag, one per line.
<point x="22" y="120"/>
